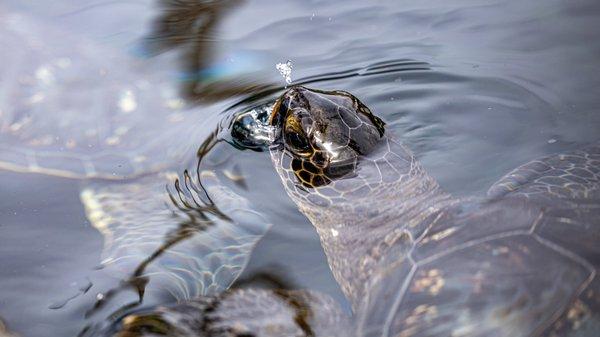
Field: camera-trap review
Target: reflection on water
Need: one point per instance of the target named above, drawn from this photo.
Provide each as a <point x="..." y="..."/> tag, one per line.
<point x="276" y="311"/>
<point x="3" y="330"/>
<point x="188" y="318"/>
<point x="122" y="90"/>
<point x="190" y="28"/>
<point x="192" y="239"/>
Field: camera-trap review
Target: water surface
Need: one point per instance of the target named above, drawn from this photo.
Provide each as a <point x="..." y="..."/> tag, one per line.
<point x="474" y="88"/>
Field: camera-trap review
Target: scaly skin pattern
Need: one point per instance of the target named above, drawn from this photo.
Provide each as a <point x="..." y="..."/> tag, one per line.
<point x="357" y="231"/>
<point x="415" y="262"/>
<point x="412" y="260"/>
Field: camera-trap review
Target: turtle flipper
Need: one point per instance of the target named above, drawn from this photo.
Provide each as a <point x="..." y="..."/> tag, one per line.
<point x="166" y="231"/>
<point x="243" y="312"/>
<point x="574" y="175"/>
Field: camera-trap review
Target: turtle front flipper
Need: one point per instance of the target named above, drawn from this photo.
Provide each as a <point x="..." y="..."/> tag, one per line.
<point x="175" y="234"/>
<point x="242" y="312"/>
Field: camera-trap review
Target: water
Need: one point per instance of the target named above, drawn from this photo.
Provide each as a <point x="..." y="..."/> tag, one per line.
<point x="474" y="88"/>
<point x="285" y="69"/>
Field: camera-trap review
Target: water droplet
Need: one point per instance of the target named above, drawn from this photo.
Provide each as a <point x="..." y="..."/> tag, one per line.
<point x="285" y="69"/>
<point x="44" y="75"/>
<point x="127" y="102"/>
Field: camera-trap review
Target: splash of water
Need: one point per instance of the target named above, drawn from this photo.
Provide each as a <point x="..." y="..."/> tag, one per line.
<point x="285" y="69"/>
<point x="251" y="129"/>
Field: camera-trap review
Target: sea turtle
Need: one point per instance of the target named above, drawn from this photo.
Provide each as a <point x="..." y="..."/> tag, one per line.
<point x="118" y="124"/>
<point x="78" y="108"/>
<point x="412" y="259"/>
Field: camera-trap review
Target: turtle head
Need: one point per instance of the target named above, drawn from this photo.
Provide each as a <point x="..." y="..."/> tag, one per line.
<point x="322" y="133"/>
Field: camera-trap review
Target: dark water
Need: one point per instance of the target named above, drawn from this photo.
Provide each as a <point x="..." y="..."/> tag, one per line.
<point x="474" y="88"/>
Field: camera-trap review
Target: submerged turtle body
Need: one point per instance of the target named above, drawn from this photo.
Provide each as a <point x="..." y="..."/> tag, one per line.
<point x="413" y="260"/>
<point x="78" y="108"/>
<point x="416" y="262"/>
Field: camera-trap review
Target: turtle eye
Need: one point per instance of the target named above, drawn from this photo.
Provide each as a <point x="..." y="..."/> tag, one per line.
<point x="295" y="137"/>
<point x="297" y="142"/>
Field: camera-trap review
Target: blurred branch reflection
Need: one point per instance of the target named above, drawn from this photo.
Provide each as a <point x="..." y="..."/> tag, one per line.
<point x="191" y="27"/>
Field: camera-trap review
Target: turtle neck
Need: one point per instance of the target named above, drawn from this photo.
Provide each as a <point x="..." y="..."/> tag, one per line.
<point x="371" y="226"/>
